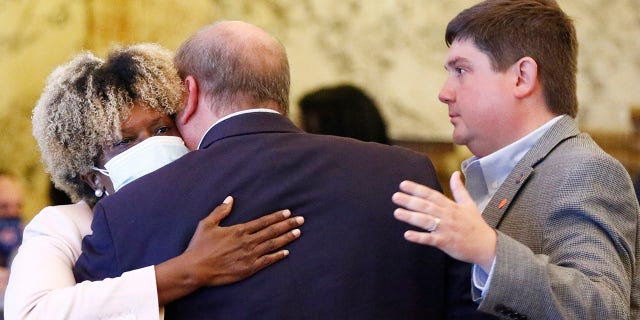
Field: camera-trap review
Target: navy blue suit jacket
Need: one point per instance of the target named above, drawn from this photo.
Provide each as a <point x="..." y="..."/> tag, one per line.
<point x="351" y="261"/>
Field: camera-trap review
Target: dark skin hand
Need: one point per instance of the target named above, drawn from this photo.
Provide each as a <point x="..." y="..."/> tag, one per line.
<point x="222" y="255"/>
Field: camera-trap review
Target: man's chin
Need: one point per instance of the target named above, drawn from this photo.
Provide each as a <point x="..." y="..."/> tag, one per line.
<point x="458" y="138"/>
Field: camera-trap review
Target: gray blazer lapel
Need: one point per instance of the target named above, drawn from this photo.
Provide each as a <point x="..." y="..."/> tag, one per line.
<point x="502" y="199"/>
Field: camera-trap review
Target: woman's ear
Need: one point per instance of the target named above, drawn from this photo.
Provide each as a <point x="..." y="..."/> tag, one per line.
<point x="190" y="101"/>
<point x="527" y="77"/>
<point x="93" y="180"/>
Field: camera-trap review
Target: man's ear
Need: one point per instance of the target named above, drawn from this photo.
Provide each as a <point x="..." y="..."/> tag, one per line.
<point x="191" y="101"/>
<point x="526" y="70"/>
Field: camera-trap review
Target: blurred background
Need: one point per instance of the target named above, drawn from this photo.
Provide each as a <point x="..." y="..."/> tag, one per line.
<point x="394" y="49"/>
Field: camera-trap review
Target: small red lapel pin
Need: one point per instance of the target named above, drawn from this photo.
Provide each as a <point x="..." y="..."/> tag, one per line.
<point x="502" y="203"/>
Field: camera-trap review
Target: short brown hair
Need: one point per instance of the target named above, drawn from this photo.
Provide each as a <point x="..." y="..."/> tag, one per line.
<point x="228" y="68"/>
<point x="508" y="30"/>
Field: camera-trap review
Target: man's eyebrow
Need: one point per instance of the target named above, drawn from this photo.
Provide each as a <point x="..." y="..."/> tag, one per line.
<point x="454" y="62"/>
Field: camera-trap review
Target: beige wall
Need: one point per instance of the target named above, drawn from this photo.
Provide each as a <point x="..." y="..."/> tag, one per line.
<point x="393" y="48"/>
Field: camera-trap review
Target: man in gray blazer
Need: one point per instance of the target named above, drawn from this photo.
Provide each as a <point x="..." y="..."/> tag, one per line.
<point x="558" y="233"/>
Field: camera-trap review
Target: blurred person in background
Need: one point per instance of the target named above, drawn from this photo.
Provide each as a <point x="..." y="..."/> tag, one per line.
<point x="11" y="204"/>
<point x="343" y="110"/>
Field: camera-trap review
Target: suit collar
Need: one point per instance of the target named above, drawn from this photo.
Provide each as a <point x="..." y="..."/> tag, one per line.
<point x="563" y="129"/>
<point x="248" y="123"/>
<point x="231" y="115"/>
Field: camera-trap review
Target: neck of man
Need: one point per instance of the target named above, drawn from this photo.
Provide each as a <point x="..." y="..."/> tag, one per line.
<point x="526" y="118"/>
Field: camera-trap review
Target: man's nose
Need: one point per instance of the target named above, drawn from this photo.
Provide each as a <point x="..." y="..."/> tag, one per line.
<point x="446" y="94"/>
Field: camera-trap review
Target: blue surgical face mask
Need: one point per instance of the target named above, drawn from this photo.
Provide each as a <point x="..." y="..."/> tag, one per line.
<point x="145" y="157"/>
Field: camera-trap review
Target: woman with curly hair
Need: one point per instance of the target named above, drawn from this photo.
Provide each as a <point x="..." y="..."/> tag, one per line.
<point x="100" y="125"/>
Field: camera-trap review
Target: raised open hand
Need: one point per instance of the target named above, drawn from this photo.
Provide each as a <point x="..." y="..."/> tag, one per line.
<point x="455" y="227"/>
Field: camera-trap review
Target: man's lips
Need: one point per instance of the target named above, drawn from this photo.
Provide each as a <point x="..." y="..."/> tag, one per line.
<point x="453" y="118"/>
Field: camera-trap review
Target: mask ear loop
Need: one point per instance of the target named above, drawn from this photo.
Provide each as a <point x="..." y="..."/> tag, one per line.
<point x="103" y="171"/>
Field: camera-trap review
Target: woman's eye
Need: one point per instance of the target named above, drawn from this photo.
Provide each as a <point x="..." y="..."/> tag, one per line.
<point x="162" y="130"/>
<point x="122" y="142"/>
<point x="460" y="71"/>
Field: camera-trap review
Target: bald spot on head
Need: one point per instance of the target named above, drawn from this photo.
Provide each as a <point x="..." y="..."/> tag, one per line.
<point x="245" y="40"/>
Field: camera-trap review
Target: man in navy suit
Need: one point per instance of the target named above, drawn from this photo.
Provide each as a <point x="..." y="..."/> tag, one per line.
<point x="351" y="262"/>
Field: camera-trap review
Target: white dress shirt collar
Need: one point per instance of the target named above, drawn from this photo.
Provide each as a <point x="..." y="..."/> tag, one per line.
<point x="491" y="171"/>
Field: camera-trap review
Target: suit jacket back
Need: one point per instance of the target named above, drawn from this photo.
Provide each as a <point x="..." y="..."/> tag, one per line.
<point x="351" y="261"/>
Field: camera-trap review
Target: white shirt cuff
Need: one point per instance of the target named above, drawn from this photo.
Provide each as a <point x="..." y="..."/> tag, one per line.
<point x="481" y="279"/>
